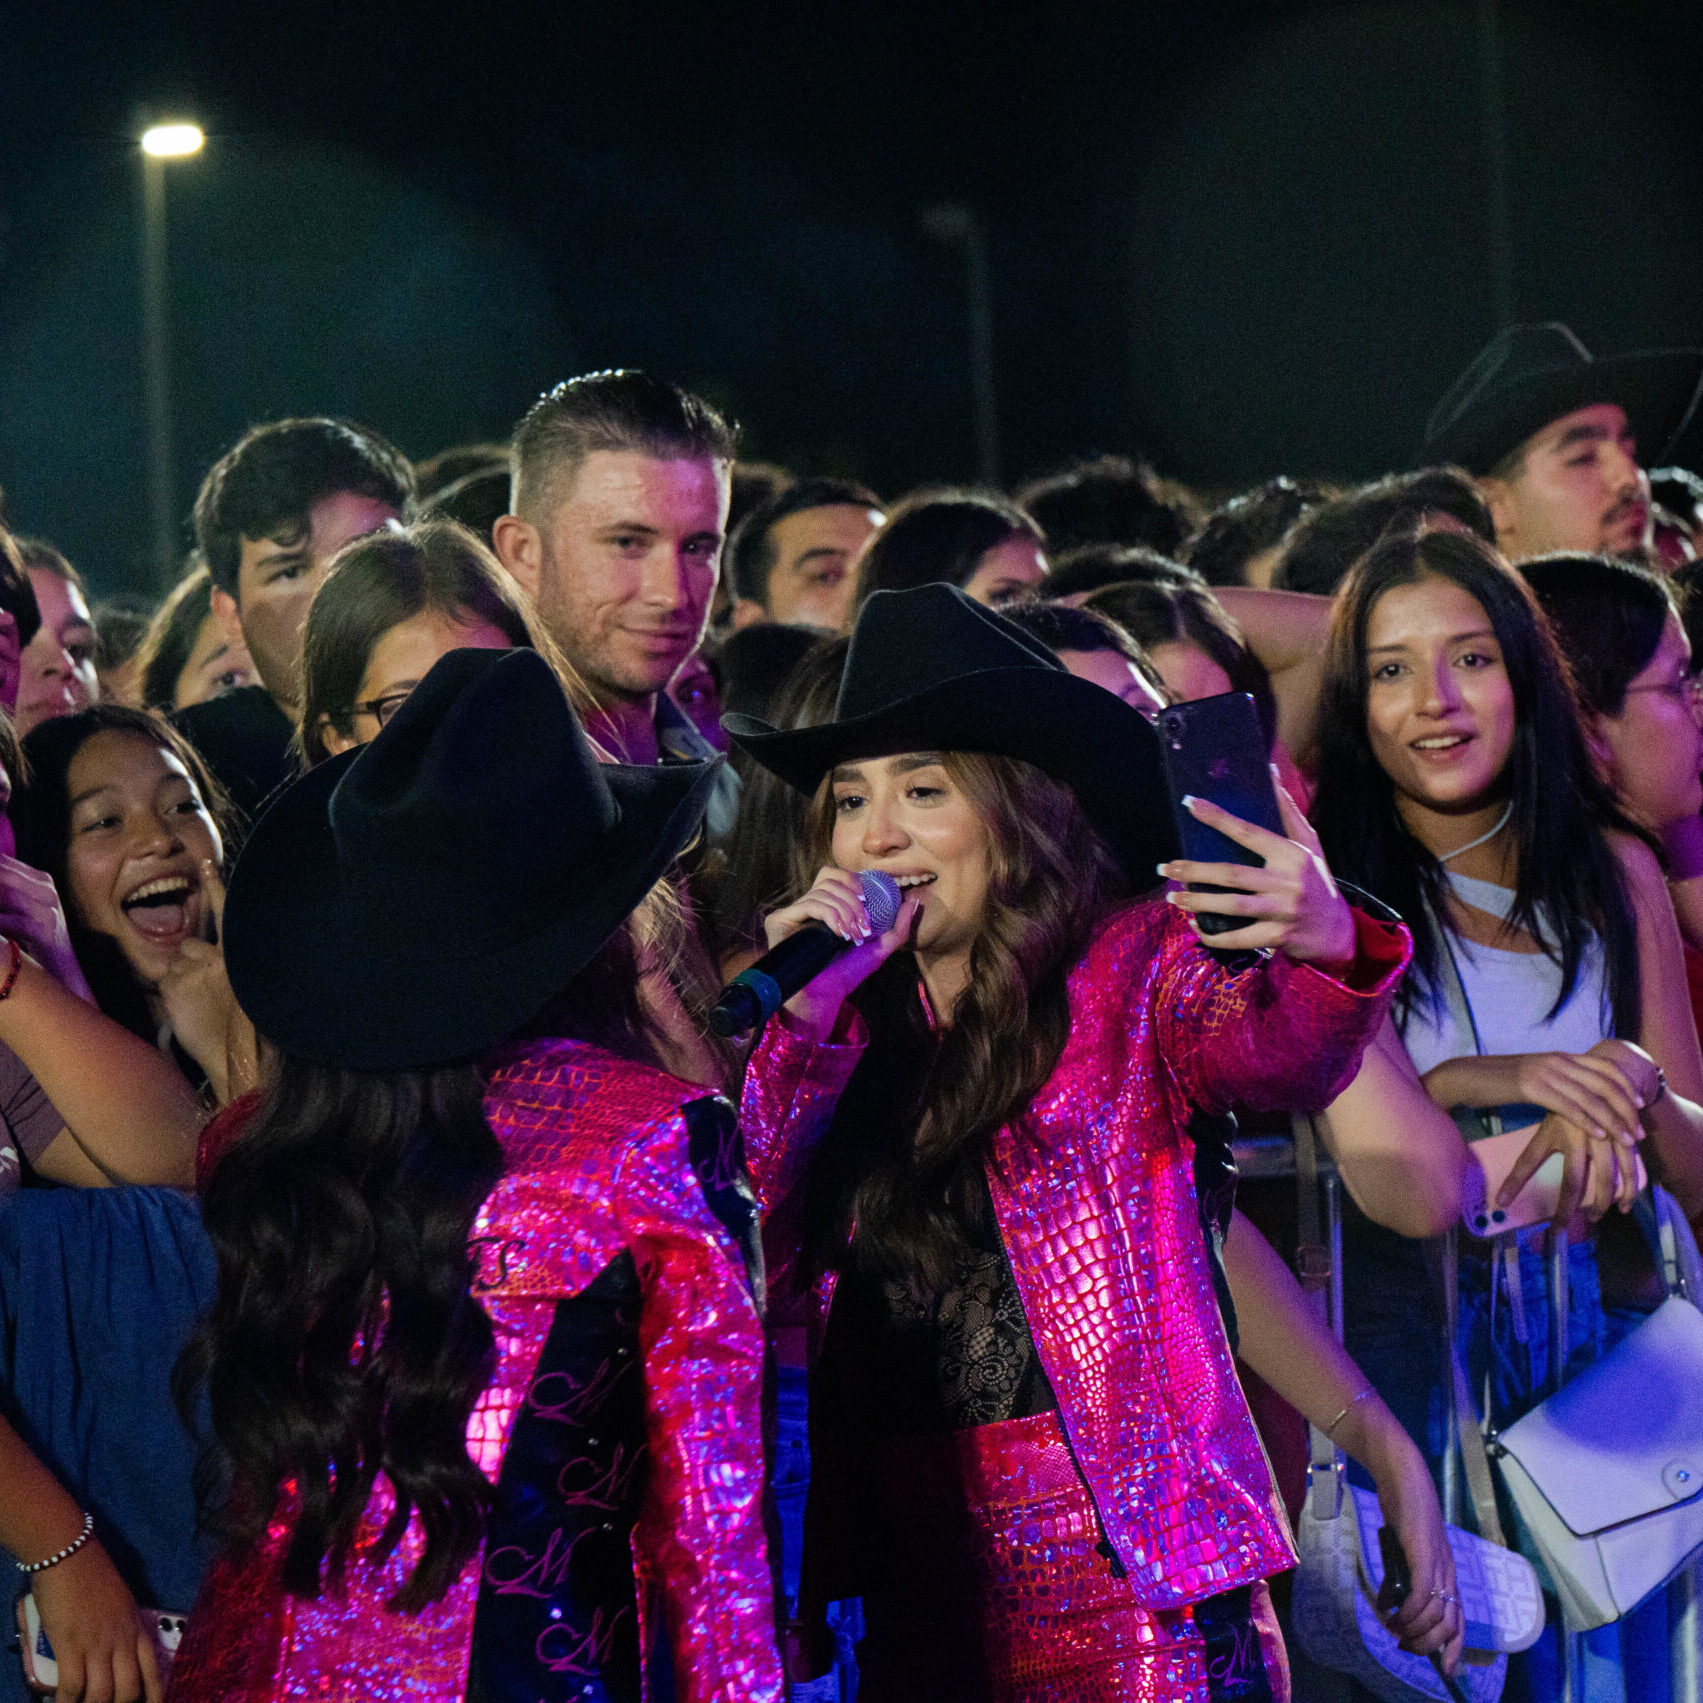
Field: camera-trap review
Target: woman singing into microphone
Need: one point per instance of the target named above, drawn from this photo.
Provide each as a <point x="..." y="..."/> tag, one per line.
<point x="1031" y="1457"/>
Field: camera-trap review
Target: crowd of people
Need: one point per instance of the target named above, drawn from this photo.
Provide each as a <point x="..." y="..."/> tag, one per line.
<point x="409" y="1292"/>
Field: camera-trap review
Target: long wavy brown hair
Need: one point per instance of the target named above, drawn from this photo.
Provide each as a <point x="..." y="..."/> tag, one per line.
<point x="900" y="1157"/>
<point x="346" y="1338"/>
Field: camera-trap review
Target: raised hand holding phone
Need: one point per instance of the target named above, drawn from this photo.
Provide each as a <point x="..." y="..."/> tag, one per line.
<point x="1252" y="871"/>
<point x="1289" y="903"/>
<point x="1214" y="748"/>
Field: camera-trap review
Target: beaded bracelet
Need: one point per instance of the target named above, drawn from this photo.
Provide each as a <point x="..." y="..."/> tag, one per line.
<point x="69" y="1550"/>
<point x="12" y="974"/>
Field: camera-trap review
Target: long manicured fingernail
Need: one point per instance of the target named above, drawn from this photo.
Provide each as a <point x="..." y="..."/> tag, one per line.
<point x="1189" y="801"/>
<point x="1163" y="869"/>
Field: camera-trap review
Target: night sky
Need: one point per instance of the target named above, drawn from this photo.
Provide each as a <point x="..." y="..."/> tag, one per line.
<point x="1239" y="238"/>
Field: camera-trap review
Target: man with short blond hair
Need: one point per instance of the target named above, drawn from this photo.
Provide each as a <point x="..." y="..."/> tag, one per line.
<point x="619" y="498"/>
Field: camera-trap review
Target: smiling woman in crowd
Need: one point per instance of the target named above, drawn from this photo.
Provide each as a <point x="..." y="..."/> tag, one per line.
<point x="121" y="813"/>
<point x="1456" y="783"/>
<point x="966" y="1150"/>
<point x="89" y="1104"/>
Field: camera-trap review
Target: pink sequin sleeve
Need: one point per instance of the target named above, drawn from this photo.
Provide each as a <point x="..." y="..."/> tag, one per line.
<point x="1281" y="1036"/>
<point x="791" y="1086"/>
<point x="701" y="1532"/>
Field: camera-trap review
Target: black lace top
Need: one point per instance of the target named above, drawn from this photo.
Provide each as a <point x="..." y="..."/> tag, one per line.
<point x="941" y="1359"/>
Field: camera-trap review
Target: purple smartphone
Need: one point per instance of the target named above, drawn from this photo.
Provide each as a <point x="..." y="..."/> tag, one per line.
<point x="1214" y="748"/>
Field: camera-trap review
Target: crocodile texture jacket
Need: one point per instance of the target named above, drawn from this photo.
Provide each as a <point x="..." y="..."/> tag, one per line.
<point x="618" y="1259"/>
<point x="1094" y="1196"/>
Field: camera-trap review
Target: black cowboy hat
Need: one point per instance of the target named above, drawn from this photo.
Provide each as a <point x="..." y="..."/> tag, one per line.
<point x="1529" y="375"/>
<point x="931" y="670"/>
<point x="417" y="900"/>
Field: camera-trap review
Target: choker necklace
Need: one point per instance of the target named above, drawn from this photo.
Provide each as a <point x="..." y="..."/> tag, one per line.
<point x="1472" y="845"/>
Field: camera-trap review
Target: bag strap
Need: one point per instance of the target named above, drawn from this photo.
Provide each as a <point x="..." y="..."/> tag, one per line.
<point x="1468" y="1436"/>
<point x="1487" y="1120"/>
<point x="1444" y="1257"/>
<point x="1319" y="1259"/>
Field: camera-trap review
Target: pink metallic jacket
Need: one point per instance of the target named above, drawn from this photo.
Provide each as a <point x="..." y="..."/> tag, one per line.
<point x="614" y="1206"/>
<point x="1094" y="1195"/>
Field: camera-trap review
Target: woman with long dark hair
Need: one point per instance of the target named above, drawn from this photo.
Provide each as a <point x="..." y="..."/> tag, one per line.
<point x="85" y="1103"/>
<point x="121" y="812"/>
<point x="478" y="1253"/>
<point x="1621" y="631"/>
<point x="979" y="541"/>
<point x="390" y="605"/>
<point x="1547" y="986"/>
<point x="1030" y="1455"/>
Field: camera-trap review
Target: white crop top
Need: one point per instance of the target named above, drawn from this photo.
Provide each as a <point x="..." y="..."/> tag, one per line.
<point x="1510" y="994"/>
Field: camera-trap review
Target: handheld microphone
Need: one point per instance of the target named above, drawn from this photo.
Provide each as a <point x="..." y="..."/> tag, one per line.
<point x="756" y="994"/>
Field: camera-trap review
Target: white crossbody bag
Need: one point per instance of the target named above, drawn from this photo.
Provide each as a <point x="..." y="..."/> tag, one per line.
<point x="1607" y="1473"/>
<point x="1334" y="1607"/>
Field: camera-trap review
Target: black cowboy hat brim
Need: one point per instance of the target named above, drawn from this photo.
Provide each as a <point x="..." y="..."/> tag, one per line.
<point x="299" y="973"/>
<point x="1069" y="728"/>
<point x="1656" y="387"/>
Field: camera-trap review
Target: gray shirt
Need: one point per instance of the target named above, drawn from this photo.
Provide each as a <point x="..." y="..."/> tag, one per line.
<point x="28" y="1122"/>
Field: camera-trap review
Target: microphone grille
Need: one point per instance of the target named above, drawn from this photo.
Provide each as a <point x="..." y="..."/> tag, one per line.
<point x="881" y="899"/>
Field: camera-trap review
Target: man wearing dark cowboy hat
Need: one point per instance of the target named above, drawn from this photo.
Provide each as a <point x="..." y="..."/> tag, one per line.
<point x="1558" y="441"/>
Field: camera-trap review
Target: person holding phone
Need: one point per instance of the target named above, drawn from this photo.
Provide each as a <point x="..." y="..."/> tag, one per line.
<point x="1030" y="1454"/>
<point x="1548" y="986"/>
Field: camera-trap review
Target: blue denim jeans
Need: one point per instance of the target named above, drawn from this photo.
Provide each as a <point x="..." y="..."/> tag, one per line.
<point x="790" y="1486"/>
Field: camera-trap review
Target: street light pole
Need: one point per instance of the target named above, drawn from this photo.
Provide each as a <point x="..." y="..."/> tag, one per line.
<point x="160" y="143"/>
<point x="959" y="225"/>
<point x="156" y="373"/>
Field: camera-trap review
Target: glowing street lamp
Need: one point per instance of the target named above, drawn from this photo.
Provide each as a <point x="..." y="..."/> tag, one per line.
<point x="172" y="141"/>
<point x="957" y="225"/>
<point x="160" y="143"/>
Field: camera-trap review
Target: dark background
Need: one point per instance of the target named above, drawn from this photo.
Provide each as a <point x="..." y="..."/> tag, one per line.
<point x="1240" y="238"/>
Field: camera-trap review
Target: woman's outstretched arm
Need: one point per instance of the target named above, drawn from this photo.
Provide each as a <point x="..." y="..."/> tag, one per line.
<point x="130" y="1117"/>
<point x="1284" y="1340"/>
<point x="89" y="1616"/>
<point x="1399" y="1153"/>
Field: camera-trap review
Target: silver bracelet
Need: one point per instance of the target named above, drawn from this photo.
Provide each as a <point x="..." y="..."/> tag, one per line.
<point x="66" y="1553"/>
<point x="1330" y="1429"/>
